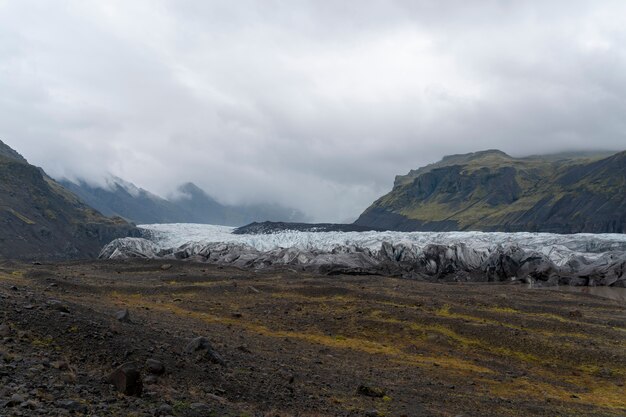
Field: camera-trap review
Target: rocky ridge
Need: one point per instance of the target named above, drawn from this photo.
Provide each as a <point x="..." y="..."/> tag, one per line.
<point x="492" y="191"/>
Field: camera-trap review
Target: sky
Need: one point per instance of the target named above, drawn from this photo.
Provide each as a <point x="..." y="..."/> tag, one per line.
<point x="314" y="104"/>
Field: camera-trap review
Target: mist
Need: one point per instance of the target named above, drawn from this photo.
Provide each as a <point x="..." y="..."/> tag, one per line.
<point x="311" y="104"/>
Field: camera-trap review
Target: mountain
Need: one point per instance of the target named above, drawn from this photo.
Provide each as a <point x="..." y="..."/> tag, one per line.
<point x="190" y="204"/>
<point x="205" y="209"/>
<point x="39" y="219"/>
<point x="492" y="191"/>
<point x="123" y="199"/>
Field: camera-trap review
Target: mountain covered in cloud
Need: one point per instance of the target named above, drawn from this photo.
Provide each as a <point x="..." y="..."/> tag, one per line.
<point x="492" y="191"/>
<point x="41" y="220"/>
<point x="189" y="204"/>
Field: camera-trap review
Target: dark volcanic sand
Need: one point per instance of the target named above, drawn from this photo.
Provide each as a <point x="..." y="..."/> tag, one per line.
<point x="300" y="344"/>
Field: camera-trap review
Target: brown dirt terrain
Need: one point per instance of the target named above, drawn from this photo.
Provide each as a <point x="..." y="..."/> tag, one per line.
<point x="297" y="344"/>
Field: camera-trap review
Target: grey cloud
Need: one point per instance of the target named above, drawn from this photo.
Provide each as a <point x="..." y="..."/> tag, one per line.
<point x="313" y="104"/>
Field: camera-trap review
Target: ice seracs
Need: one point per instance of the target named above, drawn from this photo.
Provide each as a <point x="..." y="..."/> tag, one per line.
<point x="583" y="259"/>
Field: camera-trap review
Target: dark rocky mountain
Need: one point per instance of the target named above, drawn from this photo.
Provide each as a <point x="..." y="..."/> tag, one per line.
<point x="190" y="204"/>
<point x="123" y="199"/>
<point x="39" y="219"/>
<point x="492" y="191"/>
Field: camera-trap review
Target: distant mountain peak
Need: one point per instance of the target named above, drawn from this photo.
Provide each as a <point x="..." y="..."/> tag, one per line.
<point x="188" y="204"/>
<point x="112" y="182"/>
<point x="191" y="189"/>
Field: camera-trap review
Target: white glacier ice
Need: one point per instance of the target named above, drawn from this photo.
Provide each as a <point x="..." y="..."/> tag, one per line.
<point x="558" y="248"/>
<point x="580" y="259"/>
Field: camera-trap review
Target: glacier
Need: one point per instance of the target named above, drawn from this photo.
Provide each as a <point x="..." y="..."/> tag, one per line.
<point x="539" y="258"/>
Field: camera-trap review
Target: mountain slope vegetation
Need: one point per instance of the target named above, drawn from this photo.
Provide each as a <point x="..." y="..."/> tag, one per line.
<point x="39" y="219"/>
<point x="492" y="191"/>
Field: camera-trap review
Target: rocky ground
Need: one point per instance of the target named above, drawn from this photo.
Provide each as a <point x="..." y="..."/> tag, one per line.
<point x="187" y="339"/>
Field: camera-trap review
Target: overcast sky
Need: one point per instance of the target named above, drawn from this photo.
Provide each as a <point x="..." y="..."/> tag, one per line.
<point x="313" y="104"/>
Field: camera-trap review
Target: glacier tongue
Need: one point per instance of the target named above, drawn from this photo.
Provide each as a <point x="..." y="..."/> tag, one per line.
<point x="582" y="259"/>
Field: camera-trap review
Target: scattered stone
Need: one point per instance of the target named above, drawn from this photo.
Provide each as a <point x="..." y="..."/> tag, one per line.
<point x="576" y="314"/>
<point x="165" y="267"/>
<point x="123" y="316"/>
<point x="58" y="305"/>
<point x="70" y="405"/>
<point x="155" y="367"/>
<point x="164" y="410"/>
<point x="201" y="344"/>
<point x="60" y="365"/>
<point x="237" y="315"/>
<point x="370" y="391"/>
<point x="16" y="399"/>
<point x="217" y="398"/>
<point x="244" y="349"/>
<point x="150" y="379"/>
<point x="200" y="408"/>
<point x="197" y="344"/>
<point x="68" y="377"/>
<point x="5" y="330"/>
<point x="30" y="404"/>
<point x="127" y="379"/>
<point x="372" y="413"/>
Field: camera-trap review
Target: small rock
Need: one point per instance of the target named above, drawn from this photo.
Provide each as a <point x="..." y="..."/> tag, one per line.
<point x="30" y="404"/>
<point x="244" y="349"/>
<point x="127" y="379"/>
<point x="5" y="330"/>
<point x="155" y="367"/>
<point x="576" y="314"/>
<point x="202" y="344"/>
<point x="16" y="399"/>
<point x="199" y="343"/>
<point x="58" y="305"/>
<point x="150" y="379"/>
<point x="165" y="267"/>
<point x="372" y="413"/>
<point x="370" y="391"/>
<point x="60" y="365"/>
<point x="70" y="405"/>
<point x="123" y="316"/>
<point x="237" y="315"/>
<point x="68" y="377"/>
<point x="164" y="410"/>
<point x="200" y="407"/>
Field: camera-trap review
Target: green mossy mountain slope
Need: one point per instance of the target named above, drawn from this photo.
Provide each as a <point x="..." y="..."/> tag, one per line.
<point x="492" y="191"/>
<point x="39" y="219"/>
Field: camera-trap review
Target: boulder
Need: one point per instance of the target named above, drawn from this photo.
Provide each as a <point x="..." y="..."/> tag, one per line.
<point x="155" y="367"/>
<point x="127" y="379"/>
